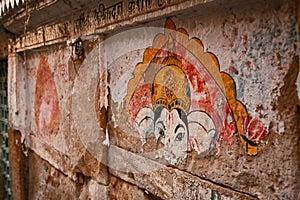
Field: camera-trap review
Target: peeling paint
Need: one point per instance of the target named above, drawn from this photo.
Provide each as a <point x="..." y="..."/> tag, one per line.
<point x="171" y="78"/>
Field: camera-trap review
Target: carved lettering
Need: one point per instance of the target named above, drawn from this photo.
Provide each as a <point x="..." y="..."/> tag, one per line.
<point x="124" y="8"/>
<point x="138" y="4"/>
<point x="131" y="6"/>
<point x="119" y="8"/>
<point x="109" y="13"/>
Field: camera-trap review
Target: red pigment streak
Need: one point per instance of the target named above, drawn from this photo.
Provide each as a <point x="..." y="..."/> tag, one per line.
<point x="248" y="64"/>
<point x="233" y="70"/>
<point x="141" y="98"/>
<point x="211" y="99"/>
<point x="254" y="129"/>
<point x="47" y="113"/>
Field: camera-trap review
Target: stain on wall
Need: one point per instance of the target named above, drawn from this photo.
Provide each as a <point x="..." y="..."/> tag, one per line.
<point x="47" y="114"/>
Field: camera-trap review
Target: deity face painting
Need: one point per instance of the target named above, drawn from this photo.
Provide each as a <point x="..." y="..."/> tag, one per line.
<point x="170" y="102"/>
<point x="179" y="96"/>
<point x="167" y="115"/>
<point x="171" y="129"/>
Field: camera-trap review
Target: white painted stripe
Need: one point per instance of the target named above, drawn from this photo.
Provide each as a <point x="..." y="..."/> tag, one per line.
<point x="9" y="4"/>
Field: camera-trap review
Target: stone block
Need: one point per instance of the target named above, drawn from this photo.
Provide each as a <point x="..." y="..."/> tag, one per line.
<point x="119" y="189"/>
<point x="18" y="165"/>
<point x="94" y="190"/>
<point x="166" y="182"/>
<point x="45" y="181"/>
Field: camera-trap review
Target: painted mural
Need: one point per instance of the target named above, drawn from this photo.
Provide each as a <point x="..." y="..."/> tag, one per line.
<point x="180" y="96"/>
<point x="47" y="114"/>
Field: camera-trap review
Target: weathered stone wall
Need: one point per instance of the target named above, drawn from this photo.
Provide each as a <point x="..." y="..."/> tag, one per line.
<point x="88" y="108"/>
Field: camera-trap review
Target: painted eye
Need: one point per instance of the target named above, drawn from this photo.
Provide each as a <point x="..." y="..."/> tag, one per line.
<point x="179" y="136"/>
<point x="161" y="132"/>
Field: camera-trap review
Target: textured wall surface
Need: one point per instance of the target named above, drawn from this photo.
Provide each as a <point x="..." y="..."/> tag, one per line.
<point x="196" y="100"/>
<point x="4" y="44"/>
